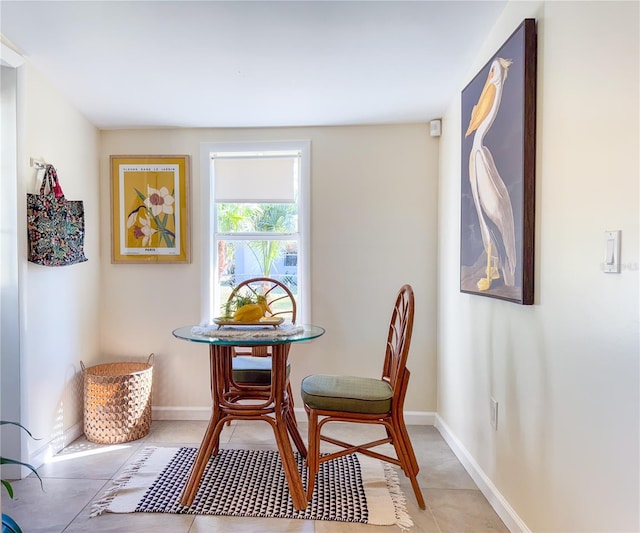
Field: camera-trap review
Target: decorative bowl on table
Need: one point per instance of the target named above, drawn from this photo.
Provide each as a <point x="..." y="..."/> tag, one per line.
<point x="258" y="302"/>
<point x="264" y="321"/>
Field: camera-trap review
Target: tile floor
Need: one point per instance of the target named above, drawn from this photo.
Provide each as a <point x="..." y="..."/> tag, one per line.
<point x="81" y="472"/>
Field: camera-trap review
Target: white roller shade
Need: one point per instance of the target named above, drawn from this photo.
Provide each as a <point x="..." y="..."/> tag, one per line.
<point x="255" y="179"/>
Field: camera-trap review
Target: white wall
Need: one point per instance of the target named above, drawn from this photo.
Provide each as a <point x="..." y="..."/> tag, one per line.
<point x="12" y="441"/>
<point x="564" y="371"/>
<point x="373" y="228"/>
<point x="59" y="305"/>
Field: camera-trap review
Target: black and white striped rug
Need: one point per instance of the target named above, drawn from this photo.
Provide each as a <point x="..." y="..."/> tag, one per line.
<point x="354" y="488"/>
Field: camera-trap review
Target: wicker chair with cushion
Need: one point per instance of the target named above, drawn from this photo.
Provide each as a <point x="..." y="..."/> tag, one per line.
<point x="252" y="366"/>
<point x="367" y="400"/>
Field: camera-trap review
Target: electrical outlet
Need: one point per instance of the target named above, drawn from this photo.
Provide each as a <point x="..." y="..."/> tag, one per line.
<point x="494" y="414"/>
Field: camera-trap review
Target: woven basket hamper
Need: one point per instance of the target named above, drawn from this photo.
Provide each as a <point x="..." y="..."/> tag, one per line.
<point x="117" y="401"/>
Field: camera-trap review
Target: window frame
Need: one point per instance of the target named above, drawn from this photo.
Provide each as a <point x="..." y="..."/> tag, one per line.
<point x="208" y="235"/>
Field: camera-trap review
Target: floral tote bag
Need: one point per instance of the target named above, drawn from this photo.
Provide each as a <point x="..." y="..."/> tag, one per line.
<point x="55" y="225"/>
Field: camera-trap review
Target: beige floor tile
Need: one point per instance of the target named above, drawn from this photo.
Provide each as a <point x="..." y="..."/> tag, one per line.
<point x="51" y="510"/>
<point x="81" y="472"/>
<point x="130" y="523"/>
<point x="447" y="473"/>
<point x="231" y="524"/>
<point x="439" y="469"/>
<point x="423" y="519"/>
<point x="253" y="432"/>
<point x="183" y="432"/>
<point x="84" y="459"/>
<point x="463" y="511"/>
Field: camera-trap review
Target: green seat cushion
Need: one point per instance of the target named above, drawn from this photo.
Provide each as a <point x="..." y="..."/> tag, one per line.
<point x="347" y="393"/>
<point x="255" y="370"/>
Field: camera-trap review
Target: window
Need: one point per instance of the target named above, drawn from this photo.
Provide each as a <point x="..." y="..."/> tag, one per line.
<point x="256" y="218"/>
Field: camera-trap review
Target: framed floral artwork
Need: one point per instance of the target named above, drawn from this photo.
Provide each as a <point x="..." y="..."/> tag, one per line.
<point x="150" y="209"/>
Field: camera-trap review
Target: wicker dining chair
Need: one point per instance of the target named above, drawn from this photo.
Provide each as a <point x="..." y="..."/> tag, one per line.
<point x="252" y="366"/>
<point x="329" y="398"/>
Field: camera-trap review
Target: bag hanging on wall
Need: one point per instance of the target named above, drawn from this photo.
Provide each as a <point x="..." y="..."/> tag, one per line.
<point x="55" y="225"/>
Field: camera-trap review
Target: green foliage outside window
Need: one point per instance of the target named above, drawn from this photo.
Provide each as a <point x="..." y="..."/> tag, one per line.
<point x="256" y="218"/>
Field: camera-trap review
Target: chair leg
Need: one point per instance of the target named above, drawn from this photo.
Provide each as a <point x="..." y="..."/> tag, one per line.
<point x="313" y="453"/>
<point x="417" y="491"/>
<point x="406" y="441"/>
<point x="291" y="406"/>
<point x="292" y="427"/>
<point x="407" y="457"/>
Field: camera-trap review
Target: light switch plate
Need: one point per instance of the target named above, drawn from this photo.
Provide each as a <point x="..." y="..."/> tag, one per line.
<point x="494" y="413"/>
<point x="612" y="251"/>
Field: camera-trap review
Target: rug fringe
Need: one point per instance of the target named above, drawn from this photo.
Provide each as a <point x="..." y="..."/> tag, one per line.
<point x="403" y="518"/>
<point x="100" y="506"/>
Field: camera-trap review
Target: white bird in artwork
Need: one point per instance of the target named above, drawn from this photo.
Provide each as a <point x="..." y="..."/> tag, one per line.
<point x="490" y="194"/>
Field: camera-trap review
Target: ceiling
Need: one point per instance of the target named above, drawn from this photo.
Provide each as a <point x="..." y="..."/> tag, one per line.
<point x="162" y="63"/>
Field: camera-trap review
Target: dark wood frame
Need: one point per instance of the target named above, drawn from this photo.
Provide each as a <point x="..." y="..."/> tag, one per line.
<point x="511" y="140"/>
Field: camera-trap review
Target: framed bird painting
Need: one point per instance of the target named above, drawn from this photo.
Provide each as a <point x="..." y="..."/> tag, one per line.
<point x="498" y="173"/>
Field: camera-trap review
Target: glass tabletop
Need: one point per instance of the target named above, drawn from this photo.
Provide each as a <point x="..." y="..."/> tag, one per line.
<point x="193" y="334"/>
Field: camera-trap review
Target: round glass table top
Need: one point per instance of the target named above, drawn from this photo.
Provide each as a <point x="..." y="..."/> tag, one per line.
<point x="244" y="336"/>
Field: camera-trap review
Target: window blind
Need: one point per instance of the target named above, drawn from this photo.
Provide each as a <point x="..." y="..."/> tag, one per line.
<point x="255" y="179"/>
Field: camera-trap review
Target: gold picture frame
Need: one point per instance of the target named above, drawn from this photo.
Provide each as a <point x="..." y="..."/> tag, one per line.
<point x="150" y="209"/>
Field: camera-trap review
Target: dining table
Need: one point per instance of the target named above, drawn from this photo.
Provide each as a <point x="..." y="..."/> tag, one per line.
<point x="240" y="401"/>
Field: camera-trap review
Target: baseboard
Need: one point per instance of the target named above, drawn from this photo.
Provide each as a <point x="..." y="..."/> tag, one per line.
<point x="40" y="456"/>
<point x="419" y="418"/>
<point x="180" y="413"/>
<point x="500" y="505"/>
<point x="411" y="418"/>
